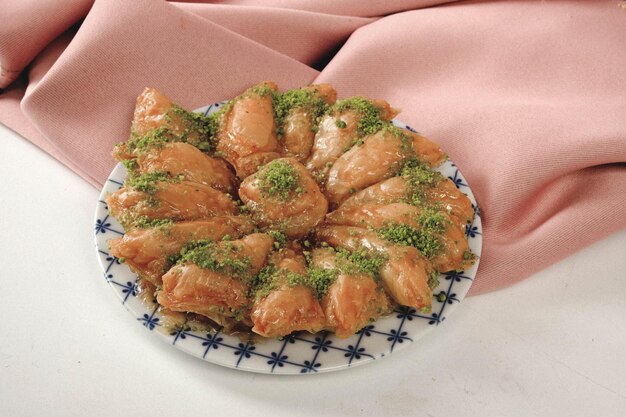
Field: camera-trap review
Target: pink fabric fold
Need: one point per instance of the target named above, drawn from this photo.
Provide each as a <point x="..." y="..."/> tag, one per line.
<point x="28" y="26"/>
<point x="527" y="97"/>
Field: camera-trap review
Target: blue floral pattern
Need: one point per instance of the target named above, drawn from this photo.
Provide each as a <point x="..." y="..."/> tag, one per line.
<point x="300" y="353"/>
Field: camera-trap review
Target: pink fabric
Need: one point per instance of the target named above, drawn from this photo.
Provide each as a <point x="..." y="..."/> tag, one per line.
<point x="527" y="97"/>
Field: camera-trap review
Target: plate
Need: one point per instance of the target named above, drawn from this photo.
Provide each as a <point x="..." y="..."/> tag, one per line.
<point x="301" y="353"/>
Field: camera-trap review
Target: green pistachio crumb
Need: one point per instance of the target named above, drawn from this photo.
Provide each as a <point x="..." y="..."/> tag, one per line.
<point x="419" y="179"/>
<point x="369" y="115"/>
<point x="319" y="279"/>
<point x="433" y="280"/>
<point x="262" y="90"/>
<point x="199" y="130"/>
<point x="280" y="239"/>
<point x="156" y="138"/>
<point x="131" y="166"/>
<point x="360" y="261"/>
<point x="265" y="282"/>
<point x="144" y="222"/>
<point x="224" y="257"/>
<point x="284" y="103"/>
<point x="425" y="241"/>
<point x="433" y="220"/>
<point x="147" y="182"/>
<point x="279" y="179"/>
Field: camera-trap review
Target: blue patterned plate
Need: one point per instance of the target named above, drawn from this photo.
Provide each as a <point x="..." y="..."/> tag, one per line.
<point x="300" y="353"/>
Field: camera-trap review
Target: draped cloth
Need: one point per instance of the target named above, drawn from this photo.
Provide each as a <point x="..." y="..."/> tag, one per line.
<point x="527" y="97"/>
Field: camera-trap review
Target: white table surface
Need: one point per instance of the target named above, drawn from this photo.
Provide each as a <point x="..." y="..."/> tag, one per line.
<point x="553" y="345"/>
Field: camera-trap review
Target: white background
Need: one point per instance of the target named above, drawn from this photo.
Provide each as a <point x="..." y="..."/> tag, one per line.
<point x="553" y="345"/>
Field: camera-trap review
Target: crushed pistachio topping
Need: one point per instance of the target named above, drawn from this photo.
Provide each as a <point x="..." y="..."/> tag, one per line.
<point x="280" y="239"/>
<point x="402" y="234"/>
<point x="145" y="222"/>
<point x="318" y="279"/>
<point x="469" y="257"/>
<point x="156" y="138"/>
<point x="279" y="179"/>
<point x="433" y="220"/>
<point x="216" y="118"/>
<point x="147" y="182"/>
<point x="266" y="281"/>
<point x="261" y="89"/>
<point x="283" y="104"/>
<point x="369" y="120"/>
<point x="199" y="130"/>
<point x="360" y="261"/>
<point x="224" y="257"/>
<point x="131" y="166"/>
<point x="171" y="260"/>
<point x="426" y="238"/>
<point x="433" y="280"/>
<point x="419" y="178"/>
<point x="406" y="140"/>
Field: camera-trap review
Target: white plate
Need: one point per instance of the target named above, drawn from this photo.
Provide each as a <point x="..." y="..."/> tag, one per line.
<point x="301" y="353"/>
